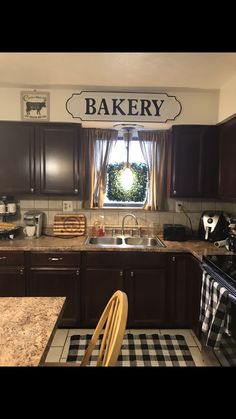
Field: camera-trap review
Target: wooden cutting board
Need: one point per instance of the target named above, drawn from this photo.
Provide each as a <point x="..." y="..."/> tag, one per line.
<point x="69" y="225"/>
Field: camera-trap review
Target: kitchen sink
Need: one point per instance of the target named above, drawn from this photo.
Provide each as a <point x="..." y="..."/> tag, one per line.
<point x="143" y="241"/>
<point x="107" y="240"/>
<point x="123" y="241"/>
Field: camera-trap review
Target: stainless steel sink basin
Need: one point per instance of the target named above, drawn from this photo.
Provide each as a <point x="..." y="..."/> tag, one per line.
<point x="144" y="241"/>
<point x="125" y="241"/>
<point x="107" y="240"/>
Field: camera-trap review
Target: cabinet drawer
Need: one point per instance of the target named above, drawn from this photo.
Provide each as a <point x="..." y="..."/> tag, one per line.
<point x="145" y="260"/>
<point x="12" y="258"/>
<point x="55" y="259"/>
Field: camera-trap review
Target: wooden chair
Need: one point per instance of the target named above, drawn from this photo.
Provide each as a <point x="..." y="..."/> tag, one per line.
<point x="114" y="317"/>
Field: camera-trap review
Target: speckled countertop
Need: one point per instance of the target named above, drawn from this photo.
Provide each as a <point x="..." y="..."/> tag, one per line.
<point x="27" y="326"/>
<point x="47" y="243"/>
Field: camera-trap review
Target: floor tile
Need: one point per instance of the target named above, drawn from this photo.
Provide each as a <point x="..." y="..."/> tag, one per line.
<point x="204" y="358"/>
<point x="66" y="348"/>
<point x="54" y="354"/>
<point x="60" y="337"/>
<point x="185" y="332"/>
<point x="198" y="343"/>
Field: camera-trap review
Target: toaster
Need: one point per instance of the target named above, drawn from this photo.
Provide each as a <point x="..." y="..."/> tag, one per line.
<point x="174" y="232"/>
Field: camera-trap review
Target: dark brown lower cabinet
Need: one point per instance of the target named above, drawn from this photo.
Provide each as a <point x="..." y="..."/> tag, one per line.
<point x="147" y="291"/>
<point x="12" y="274"/>
<point x="143" y="276"/>
<point x="58" y="275"/>
<point x="185" y="273"/>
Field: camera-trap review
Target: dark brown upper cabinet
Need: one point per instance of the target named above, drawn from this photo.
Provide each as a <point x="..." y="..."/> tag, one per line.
<point x="39" y="158"/>
<point x="17" y="158"/>
<point x="194" y="161"/>
<point x="227" y="165"/>
<point x="58" y="149"/>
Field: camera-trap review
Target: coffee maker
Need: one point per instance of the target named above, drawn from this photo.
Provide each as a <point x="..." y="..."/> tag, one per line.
<point x="213" y="226"/>
<point x="34" y="218"/>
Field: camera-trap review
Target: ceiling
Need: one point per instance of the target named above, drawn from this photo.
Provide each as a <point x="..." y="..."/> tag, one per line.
<point x="118" y="70"/>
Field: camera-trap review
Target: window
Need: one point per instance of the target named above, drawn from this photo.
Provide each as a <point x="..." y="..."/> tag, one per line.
<point x="127" y="175"/>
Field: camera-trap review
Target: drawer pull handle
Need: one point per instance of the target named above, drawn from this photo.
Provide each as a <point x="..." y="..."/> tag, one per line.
<point x="3" y="257"/>
<point x="50" y="258"/>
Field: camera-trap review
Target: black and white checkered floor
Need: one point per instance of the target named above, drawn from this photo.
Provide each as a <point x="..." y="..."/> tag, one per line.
<point x="202" y="357"/>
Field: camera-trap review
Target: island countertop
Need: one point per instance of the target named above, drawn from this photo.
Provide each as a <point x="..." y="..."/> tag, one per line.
<point x="27" y="327"/>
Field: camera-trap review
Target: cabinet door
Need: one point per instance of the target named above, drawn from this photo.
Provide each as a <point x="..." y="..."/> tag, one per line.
<point x="17" y="158"/>
<point x="58" y="283"/>
<point x="186" y="290"/>
<point x="227" y="170"/>
<point x="181" y="289"/>
<point x="147" y="291"/>
<point x="59" y="171"/>
<point x="98" y="287"/>
<point x="194" y="165"/>
<point x="196" y="275"/>
<point x="12" y="282"/>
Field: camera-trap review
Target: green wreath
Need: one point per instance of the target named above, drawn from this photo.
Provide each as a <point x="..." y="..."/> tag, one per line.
<point x="137" y="191"/>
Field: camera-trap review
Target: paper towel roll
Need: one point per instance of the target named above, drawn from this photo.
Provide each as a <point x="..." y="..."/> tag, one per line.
<point x="220" y="243"/>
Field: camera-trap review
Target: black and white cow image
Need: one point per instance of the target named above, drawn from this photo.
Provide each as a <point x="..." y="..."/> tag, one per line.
<point x="35" y="106"/>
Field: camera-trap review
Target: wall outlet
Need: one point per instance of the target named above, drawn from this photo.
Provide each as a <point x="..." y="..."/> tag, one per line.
<point x="178" y="206"/>
<point x="67" y="206"/>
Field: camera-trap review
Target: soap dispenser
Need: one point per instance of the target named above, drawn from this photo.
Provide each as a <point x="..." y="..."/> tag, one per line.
<point x="101" y="229"/>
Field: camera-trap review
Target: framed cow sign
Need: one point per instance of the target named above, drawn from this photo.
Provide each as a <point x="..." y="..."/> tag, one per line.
<point x="34" y="105"/>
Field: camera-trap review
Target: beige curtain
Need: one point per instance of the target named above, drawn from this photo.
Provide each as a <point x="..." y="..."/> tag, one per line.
<point x="155" y="149"/>
<point x="96" y="147"/>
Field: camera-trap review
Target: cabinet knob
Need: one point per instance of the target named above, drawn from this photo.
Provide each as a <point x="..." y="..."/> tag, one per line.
<point x="21" y="271"/>
<point x="77" y="271"/>
<point x="76" y="190"/>
<point x="173" y="258"/>
<point x="132" y="274"/>
<point x="174" y="192"/>
<point x="121" y="273"/>
<point x="31" y="189"/>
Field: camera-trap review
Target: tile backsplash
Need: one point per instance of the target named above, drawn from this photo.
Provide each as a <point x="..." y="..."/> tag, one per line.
<point x="113" y="217"/>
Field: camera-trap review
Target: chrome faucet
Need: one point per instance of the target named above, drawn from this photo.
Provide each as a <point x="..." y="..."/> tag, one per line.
<point x="123" y="221"/>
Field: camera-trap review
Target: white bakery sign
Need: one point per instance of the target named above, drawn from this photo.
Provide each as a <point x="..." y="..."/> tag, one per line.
<point x="117" y="106"/>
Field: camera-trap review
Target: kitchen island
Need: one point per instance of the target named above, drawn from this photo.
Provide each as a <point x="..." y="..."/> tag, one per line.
<point x="27" y="327"/>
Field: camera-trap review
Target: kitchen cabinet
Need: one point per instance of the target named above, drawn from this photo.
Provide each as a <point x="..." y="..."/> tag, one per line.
<point x="147" y="286"/>
<point x="39" y="158"/>
<point x="185" y="274"/>
<point x="193" y="170"/>
<point x="12" y="274"/>
<point x="227" y="166"/>
<point x="143" y="276"/>
<point x="57" y="274"/>
<point x="58" y="161"/>
<point x="17" y="158"/>
<point x="101" y="277"/>
<point x="196" y="274"/>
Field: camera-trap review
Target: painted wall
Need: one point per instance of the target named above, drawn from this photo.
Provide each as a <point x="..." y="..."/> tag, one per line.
<point x="198" y="107"/>
<point x="227" y="100"/>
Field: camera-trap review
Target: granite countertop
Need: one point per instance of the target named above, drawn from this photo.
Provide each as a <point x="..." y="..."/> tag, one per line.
<point x="27" y="326"/>
<point x="49" y="243"/>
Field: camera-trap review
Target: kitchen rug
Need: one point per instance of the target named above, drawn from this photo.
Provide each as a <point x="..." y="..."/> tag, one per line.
<point x="139" y="351"/>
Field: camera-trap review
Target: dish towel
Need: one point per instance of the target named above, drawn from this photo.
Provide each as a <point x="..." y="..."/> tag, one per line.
<point x="215" y="311"/>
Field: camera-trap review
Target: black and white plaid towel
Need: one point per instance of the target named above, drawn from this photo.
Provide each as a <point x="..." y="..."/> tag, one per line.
<point x="215" y="311"/>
